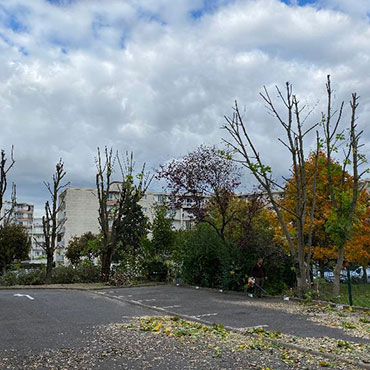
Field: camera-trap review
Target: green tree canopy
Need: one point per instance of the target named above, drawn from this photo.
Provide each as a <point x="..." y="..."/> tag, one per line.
<point x="15" y="244"/>
<point x="86" y="245"/>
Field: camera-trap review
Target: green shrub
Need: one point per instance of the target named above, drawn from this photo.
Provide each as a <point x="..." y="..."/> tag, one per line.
<point x="23" y="277"/>
<point x="32" y="277"/>
<point x="87" y="272"/>
<point x="64" y="275"/>
<point x="9" y="278"/>
<point x="157" y="271"/>
<point x="205" y="257"/>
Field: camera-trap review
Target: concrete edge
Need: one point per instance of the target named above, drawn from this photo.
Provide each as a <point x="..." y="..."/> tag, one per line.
<point x="72" y="287"/>
<point x="331" y="304"/>
<point x="240" y="331"/>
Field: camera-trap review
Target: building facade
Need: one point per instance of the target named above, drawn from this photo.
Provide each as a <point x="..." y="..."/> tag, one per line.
<point x="37" y="254"/>
<point x="79" y="213"/>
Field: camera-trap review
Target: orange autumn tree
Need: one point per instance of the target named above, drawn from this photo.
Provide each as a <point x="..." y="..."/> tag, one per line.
<point x="323" y="249"/>
<point x="358" y="249"/>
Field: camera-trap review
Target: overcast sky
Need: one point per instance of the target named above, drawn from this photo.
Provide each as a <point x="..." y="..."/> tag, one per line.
<point x="157" y="76"/>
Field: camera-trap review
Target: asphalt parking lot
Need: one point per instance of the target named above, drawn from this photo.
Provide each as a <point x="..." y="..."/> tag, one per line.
<point x="37" y="319"/>
<point x="232" y="310"/>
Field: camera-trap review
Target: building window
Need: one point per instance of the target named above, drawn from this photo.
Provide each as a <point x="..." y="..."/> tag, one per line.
<point x="161" y="199"/>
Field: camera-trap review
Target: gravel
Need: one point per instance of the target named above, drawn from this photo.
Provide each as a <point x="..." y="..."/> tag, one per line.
<point x="169" y="343"/>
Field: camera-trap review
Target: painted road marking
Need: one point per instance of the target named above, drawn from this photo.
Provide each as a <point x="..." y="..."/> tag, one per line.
<point x="158" y="308"/>
<point x="206" y="315"/>
<point x="254" y="327"/>
<point x="24" y="295"/>
<point x="174" y="306"/>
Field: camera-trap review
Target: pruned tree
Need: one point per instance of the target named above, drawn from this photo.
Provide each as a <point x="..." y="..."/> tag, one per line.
<point x="50" y="223"/>
<point x="119" y="216"/>
<point x="4" y="169"/>
<point x="104" y="166"/>
<point x="345" y="197"/>
<point x="295" y="133"/>
<point x="8" y="216"/>
<point x="202" y="180"/>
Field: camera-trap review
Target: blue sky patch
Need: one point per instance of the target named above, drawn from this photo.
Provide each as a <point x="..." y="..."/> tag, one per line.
<point x="61" y="2"/>
<point x="209" y="6"/>
<point x="299" y="2"/>
<point x="12" y="20"/>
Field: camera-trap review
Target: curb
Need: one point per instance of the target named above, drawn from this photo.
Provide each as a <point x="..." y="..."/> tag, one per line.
<point x="331" y="304"/>
<point x="240" y="331"/>
<point x="72" y="287"/>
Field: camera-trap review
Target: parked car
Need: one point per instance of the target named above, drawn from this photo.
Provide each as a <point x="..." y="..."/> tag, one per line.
<point x="329" y="276"/>
<point x="358" y="274"/>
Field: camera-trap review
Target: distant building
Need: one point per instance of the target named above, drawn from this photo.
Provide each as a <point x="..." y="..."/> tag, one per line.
<point x="22" y="214"/>
<point x="37" y="253"/>
<point x="79" y="213"/>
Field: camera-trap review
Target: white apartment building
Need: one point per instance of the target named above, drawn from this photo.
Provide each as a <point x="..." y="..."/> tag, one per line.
<point x="21" y="215"/>
<point x="79" y="213"/>
<point x="37" y="253"/>
<point x="181" y="217"/>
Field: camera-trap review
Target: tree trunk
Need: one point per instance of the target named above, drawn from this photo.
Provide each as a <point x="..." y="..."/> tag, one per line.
<point x="338" y="268"/>
<point x="302" y="282"/>
<point x="321" y="269"/>
<point x="4" y="270"/>
<point x="49" y="267"/>
<point x="105" y="268"/>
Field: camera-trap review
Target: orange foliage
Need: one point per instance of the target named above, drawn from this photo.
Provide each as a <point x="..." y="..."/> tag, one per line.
<point x="323" y="249"/>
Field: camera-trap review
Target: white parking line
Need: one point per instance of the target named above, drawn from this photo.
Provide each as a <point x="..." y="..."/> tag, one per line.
<point x="24" y="295"/>
<point x="174" y="306"/>
<point x="158" y="308"/>
<point x="206" y="315"/>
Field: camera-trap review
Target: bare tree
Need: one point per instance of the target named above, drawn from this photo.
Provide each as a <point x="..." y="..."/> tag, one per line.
<point x="50" y="223"/>
<point x="112" y="217"/>
<point x="8" y="216"/>
<point x="295" y="134"/>
<point x="104" y="173"/>
<point x="344" y="199"/>
<point x="4" y="169"/>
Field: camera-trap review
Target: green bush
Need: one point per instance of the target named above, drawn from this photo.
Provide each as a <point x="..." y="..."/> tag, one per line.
<point x="32" y="277"/>
<point x="157" y="271"/>
<point x="64" y="275"/>
<point x="9" y="278"/>
<point x="205" y="257"/>
<point x="23" y="277"/>
<point x="87" y="272"/>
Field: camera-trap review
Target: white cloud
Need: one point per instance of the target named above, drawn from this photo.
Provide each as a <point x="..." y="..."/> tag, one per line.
<point x="148" y="77"/>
